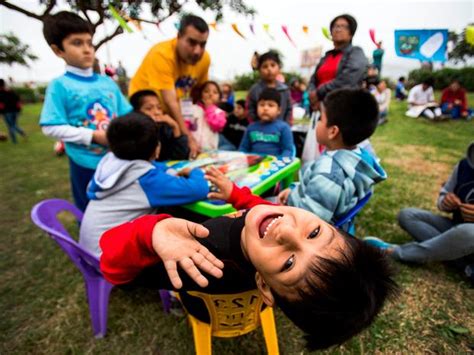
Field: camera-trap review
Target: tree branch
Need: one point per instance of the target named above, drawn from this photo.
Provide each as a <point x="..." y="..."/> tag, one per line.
<point x="19" y="9"/>
<point x="117" y="31"/>
<point x="50" y="6"/>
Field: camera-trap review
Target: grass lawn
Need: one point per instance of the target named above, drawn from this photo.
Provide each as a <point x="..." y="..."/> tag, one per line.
<point x="42" y="298"/>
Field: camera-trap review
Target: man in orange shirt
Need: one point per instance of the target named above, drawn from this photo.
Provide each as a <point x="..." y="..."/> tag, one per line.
<point x="173" y="68"/>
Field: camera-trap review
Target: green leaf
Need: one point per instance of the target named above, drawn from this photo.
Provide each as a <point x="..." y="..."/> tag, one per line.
<point x="458" y="329"/>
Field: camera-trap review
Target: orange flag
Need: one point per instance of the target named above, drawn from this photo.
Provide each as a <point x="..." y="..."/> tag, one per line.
<point x="236" y="29"/>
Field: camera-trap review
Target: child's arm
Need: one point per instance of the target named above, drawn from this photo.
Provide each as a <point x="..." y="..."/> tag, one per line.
<point x="131" y="247"/>
<point x="163" y="189"/>
<point x="447" y="200"/>
<point x="287" y="143"/>
<point x="251" y="105"/>
<point x="240" y="198"/>
<point x="172" y="123"/>
<point x="215" y="118"/>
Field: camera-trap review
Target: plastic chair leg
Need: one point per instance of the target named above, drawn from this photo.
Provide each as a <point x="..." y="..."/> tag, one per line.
<point x="98" y="292"/>
<point x="202" y="336"/>
<point x="269" y="331"/>
<point x="165" y="300"/>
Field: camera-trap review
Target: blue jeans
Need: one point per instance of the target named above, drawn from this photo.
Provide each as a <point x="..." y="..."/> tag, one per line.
<point x="11" y="121"/>
<point x="437" y="237"/>
<point x="455" y="111"/>
<point x="80" y="178"/>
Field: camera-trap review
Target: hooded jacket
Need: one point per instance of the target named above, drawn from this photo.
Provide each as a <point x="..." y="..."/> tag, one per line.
<point x="461" y="183"/>
<point x="122" y="190"/>
<point x="334" y="183"/>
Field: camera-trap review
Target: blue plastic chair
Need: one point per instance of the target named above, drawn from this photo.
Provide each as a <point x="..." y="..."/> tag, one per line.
<point x="346" y="222"/>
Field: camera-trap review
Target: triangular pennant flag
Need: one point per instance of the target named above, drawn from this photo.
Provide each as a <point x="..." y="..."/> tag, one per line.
<point x="137" y="24"/>
<point x="213" y="25"/>
<point x="176" y="25"/>
<point x="284" y="28"/>
<point x="119" y="19"/>
<point x="372" y="36"/>
<point x="326" y="33"/>
<point x="252" y="29"/>
<point x="305" y="29"/>
<point x="266" y="28"/>
<point x="236" y="29"/>
<point x="159" y="28"/>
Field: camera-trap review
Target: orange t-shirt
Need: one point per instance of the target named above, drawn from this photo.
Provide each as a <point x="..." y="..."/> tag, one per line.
<point x="161" y="70"/>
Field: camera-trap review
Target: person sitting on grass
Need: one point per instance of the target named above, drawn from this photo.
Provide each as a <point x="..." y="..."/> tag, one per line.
<point x="383" y="95"/>
<point x="330" y="284"/>
<point x="454" y="101"/>
<point x="269" y="65"/>
<point x="400" y="91"/>
<point x="174" y="144"/>
<point x="440" y="238"/>
<point x="422" y="102"/>
<point x="128" y="183"/>
<point x="333" y="184"/>
<point x="268" y="135"/>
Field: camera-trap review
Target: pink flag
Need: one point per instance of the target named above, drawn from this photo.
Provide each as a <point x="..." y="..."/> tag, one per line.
<point x="285" y="31"/>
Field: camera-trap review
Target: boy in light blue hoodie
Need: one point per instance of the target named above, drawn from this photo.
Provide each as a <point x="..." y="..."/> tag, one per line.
<point x="128" y="183"/>
<point x="334" y="183"/>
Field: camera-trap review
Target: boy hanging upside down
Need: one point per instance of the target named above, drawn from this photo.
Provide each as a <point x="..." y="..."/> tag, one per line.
<point x="330" y="284"/>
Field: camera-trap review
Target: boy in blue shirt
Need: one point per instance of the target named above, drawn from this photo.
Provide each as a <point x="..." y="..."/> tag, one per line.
<point x="128" y="183"/>
<point x="268" y="135"/>
<point x="79" y="105"/>
<point x="333" y="184"/>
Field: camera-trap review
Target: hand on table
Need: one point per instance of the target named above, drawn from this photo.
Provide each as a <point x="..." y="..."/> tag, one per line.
<point x="193" y="147"/>
<point x="174" y="241"/>
<point x="283" y="196"/>
<point x="222" y="182"/>
<point x="450" y="202"/>
<point x="184" y="172"/>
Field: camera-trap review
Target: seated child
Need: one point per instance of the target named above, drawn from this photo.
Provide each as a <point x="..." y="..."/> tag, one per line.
<point x="269" y="65"/>
<point x="208" y="119"/>
<point x="332" y="184"/>
<point x="438" y="238"/>
<point x="174" y="145"/>
<point x="328" y="283"/>
<point x="268" y="135"/>
<point x="400" y="91"/>
<point x="422" y="102"/>
<point x="128" y="183"/>
<point x="454" y="101"/>
<point x="236" y="124"/>
<point x="383" y="95"/>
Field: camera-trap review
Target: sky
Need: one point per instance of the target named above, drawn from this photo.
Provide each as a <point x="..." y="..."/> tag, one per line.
<point x="230" y="54"/>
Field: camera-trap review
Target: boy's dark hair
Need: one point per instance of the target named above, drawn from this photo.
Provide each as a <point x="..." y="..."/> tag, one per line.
<point x="58" y="26"/>
<point x="240" y="103"/>
<point x="402" y="78"/>
<point x="192" y="20"/>
<point x="271" y="55"/>
<point x="350" y="20"/>
<point x="338" y="298"/>
<point x="136" y="100"/>
<point x="270" y="94"/>
<point x="133" y="136"/>
<point x="355" y="112"/>
<point x="428" y="81"/>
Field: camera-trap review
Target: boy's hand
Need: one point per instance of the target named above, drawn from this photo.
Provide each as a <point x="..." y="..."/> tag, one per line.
<point x="467" y="212"/>
<point x="184" y="172"/>
<point x="193" y="147"/>
<point x="283" y="196"/>
<point x="222" y="182"/>
<point x="100" y="137"/>
<point x="174" y="241"/>
<point x="450" y="202"/>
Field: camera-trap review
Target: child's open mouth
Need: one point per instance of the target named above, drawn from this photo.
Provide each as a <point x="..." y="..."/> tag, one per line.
<point x="266" y="224"/>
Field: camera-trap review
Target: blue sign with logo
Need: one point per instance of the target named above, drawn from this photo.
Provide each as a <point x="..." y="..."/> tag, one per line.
<point x="424" y="45"/>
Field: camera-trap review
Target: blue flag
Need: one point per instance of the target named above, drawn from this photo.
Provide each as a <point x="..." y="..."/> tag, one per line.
<point x="424" y="45"/>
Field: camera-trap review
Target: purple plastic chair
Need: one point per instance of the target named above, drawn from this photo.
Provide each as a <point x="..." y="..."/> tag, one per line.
<point x="45" y="216"/>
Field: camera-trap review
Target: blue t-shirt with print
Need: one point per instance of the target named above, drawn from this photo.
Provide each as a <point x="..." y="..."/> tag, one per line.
<point x="270" y="138"/>
<point x="89" y="102"/>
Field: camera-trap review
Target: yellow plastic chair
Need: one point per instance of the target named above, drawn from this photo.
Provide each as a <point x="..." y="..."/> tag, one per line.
<point x="232" y="315"/>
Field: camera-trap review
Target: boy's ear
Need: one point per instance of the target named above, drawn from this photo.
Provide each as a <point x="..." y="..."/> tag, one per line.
<point x="56" y="50"/>
<point x="264" y="289"/>
<point x="333" y="132"/>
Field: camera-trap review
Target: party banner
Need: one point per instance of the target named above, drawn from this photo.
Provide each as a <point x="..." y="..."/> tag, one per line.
<point x="424" y="45"/>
